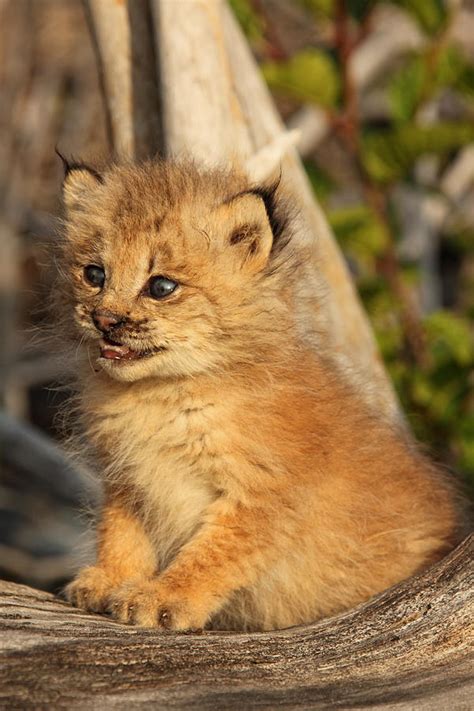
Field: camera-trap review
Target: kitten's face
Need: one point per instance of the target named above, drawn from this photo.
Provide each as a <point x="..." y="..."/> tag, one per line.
<point x="164" y="268"/>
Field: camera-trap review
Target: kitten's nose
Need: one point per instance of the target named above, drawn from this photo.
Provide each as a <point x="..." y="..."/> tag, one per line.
<point x="105" y="320"/>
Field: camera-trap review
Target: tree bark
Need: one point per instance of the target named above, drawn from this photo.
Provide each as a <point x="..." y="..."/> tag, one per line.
<point x="410" y="648"/>
<point x="121" y="35"/>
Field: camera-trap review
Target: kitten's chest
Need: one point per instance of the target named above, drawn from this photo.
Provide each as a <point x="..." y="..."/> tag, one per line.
<point x="169" y="425"/>
<point x="167" y="448"/>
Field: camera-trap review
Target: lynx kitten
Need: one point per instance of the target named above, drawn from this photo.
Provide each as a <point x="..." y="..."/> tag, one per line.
<point x="248" y="486"/>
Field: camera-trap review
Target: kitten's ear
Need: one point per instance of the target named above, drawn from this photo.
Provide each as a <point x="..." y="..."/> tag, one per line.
<point x="80" y="180"/>
<point x="248" y="230"/>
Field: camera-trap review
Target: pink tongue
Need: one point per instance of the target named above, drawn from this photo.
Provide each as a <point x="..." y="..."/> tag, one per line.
<point x="117" y="352"/>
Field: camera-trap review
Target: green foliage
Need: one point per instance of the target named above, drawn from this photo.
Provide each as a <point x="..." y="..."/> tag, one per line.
<point x="406" y="89"/>
<point x="461" y="237"/>
<point x="320" y="181"/>
<point x="310" y="75"/>
<point x="451" y="339"/>
<point x="443" y="392"/>
<point x="430" y="14"/>
<point x="453" y="70"/>
<point x="319" y="8"/>
<point x="422" y="75"/>
<point x="358" y="9"/>
<point x="439" y="398"/>
<point x="387" y="155"/>
<point x="464" y="443"/>
<point x="360" y="233"/>
<point x="248" y="19"/>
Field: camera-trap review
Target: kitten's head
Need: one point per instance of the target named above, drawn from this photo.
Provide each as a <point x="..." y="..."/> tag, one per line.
<point x="165" y="270"/>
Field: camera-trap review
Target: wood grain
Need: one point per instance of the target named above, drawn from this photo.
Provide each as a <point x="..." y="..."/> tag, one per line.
<point x="410" y="648"/>
<point x="121" y="36"/>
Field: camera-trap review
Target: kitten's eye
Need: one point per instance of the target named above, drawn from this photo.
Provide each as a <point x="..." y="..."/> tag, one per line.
<point x="94" y="275"/>
<point x="160" y="287"/>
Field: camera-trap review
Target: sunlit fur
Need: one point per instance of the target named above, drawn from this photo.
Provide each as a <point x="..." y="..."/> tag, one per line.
<point x="248" y="485"/>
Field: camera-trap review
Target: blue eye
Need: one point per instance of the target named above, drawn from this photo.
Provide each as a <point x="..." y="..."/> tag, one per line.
<point x="94" y="275"/>
<point x="161" y="287"/>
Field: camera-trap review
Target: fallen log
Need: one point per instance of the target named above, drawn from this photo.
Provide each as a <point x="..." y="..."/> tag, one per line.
<point x="411" y="647"/>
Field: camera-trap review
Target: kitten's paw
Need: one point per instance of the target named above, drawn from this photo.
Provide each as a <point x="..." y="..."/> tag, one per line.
<point x="150" y="604"/>
<point x="90" y="590"/>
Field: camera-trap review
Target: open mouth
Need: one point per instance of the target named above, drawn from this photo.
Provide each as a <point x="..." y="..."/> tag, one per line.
<point x="112" y="350"/>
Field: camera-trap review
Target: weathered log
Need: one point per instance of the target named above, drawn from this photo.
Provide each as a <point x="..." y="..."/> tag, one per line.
<point x="121" y="36"/>
<point x="410" y="648"/>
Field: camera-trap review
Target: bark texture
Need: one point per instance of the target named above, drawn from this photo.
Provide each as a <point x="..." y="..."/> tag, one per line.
<point x="410" y="648"/>
<point x="121" y="35"/>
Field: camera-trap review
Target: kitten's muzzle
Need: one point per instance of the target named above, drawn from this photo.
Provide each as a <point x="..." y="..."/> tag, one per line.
<point x="112" y="350"/>
<point x="105" y="320"/>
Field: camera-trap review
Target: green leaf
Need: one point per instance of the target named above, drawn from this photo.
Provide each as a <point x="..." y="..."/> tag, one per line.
<point x="320" y="181"/>
<point x="450" y="338"/>
<point x="452" y="69"/>
<point x="406" y="88"/>
<point x="359" y="231"/>
<point x="389" y="154"/>
<point x="248" y="19"/>
<point x="319" y="8"/>
<point x="358" y="9"/>
<point x="431" y="15"/>
<point x="310" y="75"/>
<point x="462" y="78"/>
<point x="465" y="442"/>
<point x="450" y="65"/>
<point x="424" y="74"/>
<point x="460" y="235"/>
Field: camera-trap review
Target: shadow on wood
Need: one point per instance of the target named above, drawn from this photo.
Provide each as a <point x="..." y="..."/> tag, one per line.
<point x="411" y="647"/>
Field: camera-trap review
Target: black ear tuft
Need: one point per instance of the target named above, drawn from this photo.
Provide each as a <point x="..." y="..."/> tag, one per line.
<point x="277" y="213"/>
<point x="70" y="165"/>
<point x="64" y="160"/>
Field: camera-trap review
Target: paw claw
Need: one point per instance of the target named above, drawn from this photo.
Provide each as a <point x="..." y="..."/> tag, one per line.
<point x="148" y="604"/>
<point x="164" y="618"/>
<point x="89" y="590"/>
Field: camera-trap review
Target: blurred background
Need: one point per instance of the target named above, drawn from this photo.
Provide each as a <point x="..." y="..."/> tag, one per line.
<point x="383" y="96"/>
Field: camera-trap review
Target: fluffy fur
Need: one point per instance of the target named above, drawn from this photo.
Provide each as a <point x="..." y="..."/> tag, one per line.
<point x="248" y="485"/>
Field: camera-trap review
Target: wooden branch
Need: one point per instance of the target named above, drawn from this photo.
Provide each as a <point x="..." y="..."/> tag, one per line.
<point x="125" y="55"/>
<point x="202" y="113"/>
<point x="313" y="124"/>
<point x="412" y="646"/>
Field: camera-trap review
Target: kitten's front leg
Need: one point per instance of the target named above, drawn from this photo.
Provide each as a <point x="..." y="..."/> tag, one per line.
<point x="230" y="550"/>
<point x="124" y="553"/>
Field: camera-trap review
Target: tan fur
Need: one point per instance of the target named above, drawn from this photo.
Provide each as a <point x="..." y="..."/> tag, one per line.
<point x="248" y="486"/>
